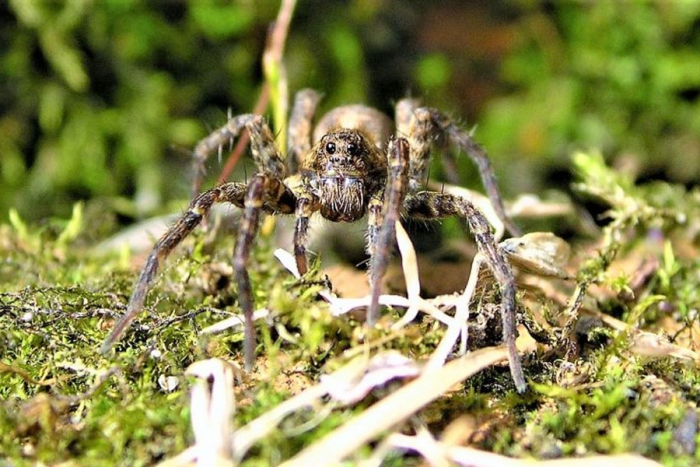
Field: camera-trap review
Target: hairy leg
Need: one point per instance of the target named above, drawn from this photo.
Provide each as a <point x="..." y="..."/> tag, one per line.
<point x="406" y="124"/>
<point x="233" y="193"/>
<point x="301" y="125"/>
<point x="262" y="143"/>
<point x="432" y="205"/>
<point x="403" y="115"/>
<point x="416" y="125"/>
<point x="267" y="191"/>
<point x="213" y="143"/>
<point x="421" y="125"/>
<point x="300" y="130"/>
<point x="464" y="141"/>
<point x="247" y="232"/>
<point x="382" y="220"/>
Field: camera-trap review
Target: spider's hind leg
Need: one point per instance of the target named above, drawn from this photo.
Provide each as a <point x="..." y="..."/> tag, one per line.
<point x="430" y="206"/>
<point x="213" y="143"/>
<point x="300" y="126"/>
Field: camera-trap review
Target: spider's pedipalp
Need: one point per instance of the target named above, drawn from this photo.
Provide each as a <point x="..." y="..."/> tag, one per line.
<point x="430" y="205"/>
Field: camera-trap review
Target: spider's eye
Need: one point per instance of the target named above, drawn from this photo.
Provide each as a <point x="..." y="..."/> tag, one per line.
<point x="353" y="149"/>
<point x="330" y="148"/>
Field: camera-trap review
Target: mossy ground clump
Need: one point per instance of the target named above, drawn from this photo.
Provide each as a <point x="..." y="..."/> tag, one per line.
<point x="594" y="388"/>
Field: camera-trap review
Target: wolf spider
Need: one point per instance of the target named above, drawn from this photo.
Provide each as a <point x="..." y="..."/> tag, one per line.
<point x="355" y="168"/>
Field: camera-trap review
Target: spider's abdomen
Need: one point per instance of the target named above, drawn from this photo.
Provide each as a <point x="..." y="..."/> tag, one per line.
<point x="342" y="198"/>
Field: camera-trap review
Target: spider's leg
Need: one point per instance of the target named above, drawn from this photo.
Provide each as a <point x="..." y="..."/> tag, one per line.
<point x="379" y="255"/>
<point x="247" y="231"/>
<point x="432" y="205"/>
<point x="383" y="218"/>
<point x="300" y="125"/>
<point x="265" y="152"/>
<point x="403" y="114"/>
<point x="300" y="129"/>
<point x="265" y="193"/>
<point x="212" y="143"/>
<point x="464" y="141"/>
<point x="406" y="126"/>
<point x="233" y="193"/>
<point x="420" y="125"/>
<point x="415" y="124"/>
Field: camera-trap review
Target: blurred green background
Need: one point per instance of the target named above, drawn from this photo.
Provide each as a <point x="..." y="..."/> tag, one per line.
<point x="104" y="99"/>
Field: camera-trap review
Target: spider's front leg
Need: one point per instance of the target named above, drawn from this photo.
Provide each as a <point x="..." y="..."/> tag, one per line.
<point x="306" y="205"/>
<point x="233" y="193"/>
<point x="430" y="206"/>
<point x="266" y="191"/>
<point x="263" y="191"/>
<point x="300" y="129"/>
<point x="382" y="220"/>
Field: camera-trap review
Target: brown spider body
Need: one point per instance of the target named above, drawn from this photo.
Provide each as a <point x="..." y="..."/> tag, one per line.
<point x="353" y="169"/>
<point x="343" y="170"/>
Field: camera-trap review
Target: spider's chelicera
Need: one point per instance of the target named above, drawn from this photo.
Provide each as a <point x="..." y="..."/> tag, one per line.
<point x="355" y="168"/>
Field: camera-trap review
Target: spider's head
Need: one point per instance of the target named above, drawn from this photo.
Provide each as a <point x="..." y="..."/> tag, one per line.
<point x="345" y="169"/>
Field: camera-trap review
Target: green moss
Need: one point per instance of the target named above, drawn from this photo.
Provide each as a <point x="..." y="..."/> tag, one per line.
<point x="63" y="400"/>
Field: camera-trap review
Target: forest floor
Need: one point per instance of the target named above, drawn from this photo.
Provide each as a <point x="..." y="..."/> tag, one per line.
<point x="608" y="340"/>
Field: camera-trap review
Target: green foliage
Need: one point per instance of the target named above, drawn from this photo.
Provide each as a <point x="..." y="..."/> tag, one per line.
<point x="622" y="77"/>
<point x="101" y="92"/>
<point x="63" y="400"/>
<point x="433" y="73"/>
<point x="106" y="99"/>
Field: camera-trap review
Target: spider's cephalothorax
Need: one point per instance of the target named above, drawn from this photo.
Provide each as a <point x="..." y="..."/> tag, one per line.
<point x="343" y="170"/>
<point x="352" y="168"/>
